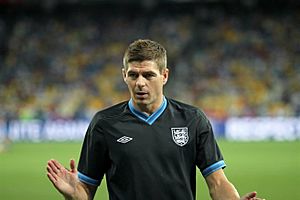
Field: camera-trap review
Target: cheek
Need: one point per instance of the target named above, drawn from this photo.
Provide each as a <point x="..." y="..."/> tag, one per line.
<point x="131" y="85"/>
<point x="158" y="86"/>
<point x="129" y="82"/>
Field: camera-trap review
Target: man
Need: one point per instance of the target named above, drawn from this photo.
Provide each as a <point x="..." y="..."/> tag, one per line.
<point x="148" y="147"/>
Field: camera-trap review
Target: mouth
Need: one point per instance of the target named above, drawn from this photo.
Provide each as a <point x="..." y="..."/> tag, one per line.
<point x="141" y="94"/>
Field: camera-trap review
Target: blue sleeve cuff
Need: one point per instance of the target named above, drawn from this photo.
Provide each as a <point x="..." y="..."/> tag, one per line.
<point x="214" y="167"/>
<point x="88" y="180"/>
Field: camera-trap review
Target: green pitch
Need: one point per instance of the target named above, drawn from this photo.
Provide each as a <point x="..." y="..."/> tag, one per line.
<point x="271" y="168"/>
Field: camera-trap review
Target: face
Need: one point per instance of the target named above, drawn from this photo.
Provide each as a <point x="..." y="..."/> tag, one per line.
<point x="145" y="83"/>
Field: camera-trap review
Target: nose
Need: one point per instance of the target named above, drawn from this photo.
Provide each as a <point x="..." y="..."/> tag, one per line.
<point x="140" y="82"/>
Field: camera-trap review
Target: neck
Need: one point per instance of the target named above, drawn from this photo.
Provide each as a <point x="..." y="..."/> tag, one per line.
<point x="150" y="108"/>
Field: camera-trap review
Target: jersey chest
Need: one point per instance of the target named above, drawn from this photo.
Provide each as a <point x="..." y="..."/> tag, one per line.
<point x="136" y="141"/>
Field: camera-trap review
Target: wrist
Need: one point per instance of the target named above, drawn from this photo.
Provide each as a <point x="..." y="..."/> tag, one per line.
<point x="76" y="194"/>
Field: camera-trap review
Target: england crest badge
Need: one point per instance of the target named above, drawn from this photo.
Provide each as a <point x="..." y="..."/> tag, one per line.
<point x="180" y="135"/>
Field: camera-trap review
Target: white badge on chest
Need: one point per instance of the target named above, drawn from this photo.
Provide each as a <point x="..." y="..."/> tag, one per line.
<point x="180" y="135"/>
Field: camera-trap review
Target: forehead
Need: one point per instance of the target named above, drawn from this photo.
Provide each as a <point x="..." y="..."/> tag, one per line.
<point x="147" y="65"/>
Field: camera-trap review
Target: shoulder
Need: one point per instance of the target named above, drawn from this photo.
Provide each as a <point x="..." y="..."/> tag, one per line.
<point x="185" y="108"/>
<point x="110" y="113"/>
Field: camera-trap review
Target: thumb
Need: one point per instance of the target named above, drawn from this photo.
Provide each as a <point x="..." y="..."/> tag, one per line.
<point x="250" y="195"/>
<point x="73" y="166"/>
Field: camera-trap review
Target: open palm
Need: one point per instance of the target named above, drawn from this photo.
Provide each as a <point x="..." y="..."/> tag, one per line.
<point x="64" y="180"/>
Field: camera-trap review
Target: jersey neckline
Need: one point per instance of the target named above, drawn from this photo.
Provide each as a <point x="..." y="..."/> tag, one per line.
<point x="151" y="118"/>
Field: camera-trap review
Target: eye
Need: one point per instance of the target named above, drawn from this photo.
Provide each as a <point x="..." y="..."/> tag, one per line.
<point x="132" y="75"/>
<point x="149" y="75"/>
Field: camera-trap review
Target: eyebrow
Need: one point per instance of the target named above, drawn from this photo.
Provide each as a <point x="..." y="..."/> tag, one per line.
<point x="149" y="73"/>
<point x="145" y="72"/>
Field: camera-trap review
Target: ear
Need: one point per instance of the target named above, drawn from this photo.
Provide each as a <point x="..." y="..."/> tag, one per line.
<point x="165" y="75"/>
<point x="124" y="74"/>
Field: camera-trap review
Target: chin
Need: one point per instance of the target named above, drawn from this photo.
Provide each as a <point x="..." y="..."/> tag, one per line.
<point x="142" y="101"/>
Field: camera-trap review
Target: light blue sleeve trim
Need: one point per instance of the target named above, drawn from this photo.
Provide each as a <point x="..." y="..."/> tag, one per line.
<point x="88" y="180"/>
<point x="214" y="167"/>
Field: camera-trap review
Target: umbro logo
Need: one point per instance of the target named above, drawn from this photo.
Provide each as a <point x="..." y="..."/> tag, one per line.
<point x="124" y="139"/>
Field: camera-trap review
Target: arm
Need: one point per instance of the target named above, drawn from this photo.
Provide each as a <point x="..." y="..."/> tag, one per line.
<point x="67" y="182"/>
<point x="221" y="189"/>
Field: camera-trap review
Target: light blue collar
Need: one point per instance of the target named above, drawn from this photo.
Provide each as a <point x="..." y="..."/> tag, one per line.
<point x="148" y="119"/>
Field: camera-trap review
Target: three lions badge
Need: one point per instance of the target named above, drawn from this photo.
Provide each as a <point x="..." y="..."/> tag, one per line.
<point x="180" y="135"/>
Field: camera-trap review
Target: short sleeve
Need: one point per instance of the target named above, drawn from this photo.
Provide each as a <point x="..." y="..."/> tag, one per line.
<point x="93" y="161"/>
<point x="209" y="157"/>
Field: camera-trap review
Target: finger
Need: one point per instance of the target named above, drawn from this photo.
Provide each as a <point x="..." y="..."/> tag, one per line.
<point x="52" y="173"/>
<point x="58" y="165"/>
<point x="73" y="166"/>
<point x="51" y="178"/>
<point x="53" y="166"/>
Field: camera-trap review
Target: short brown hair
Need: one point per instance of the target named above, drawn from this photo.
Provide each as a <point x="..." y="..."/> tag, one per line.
<point x="145" y="49"/>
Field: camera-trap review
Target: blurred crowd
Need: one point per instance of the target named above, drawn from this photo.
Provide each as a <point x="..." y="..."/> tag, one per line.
<point x="67" y="65"/>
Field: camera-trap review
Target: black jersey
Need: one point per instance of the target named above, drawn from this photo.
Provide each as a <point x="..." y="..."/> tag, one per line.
<point x="149" y="157"/>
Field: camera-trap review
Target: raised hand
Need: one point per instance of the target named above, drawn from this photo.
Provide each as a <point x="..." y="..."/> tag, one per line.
<point x="64" y="180"/>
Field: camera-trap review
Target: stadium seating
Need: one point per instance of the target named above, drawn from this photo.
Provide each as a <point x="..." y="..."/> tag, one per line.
<point x="68" y="65"/>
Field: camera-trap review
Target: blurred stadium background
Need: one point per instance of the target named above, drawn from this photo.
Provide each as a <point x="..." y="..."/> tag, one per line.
<point x="239" y="61"/>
